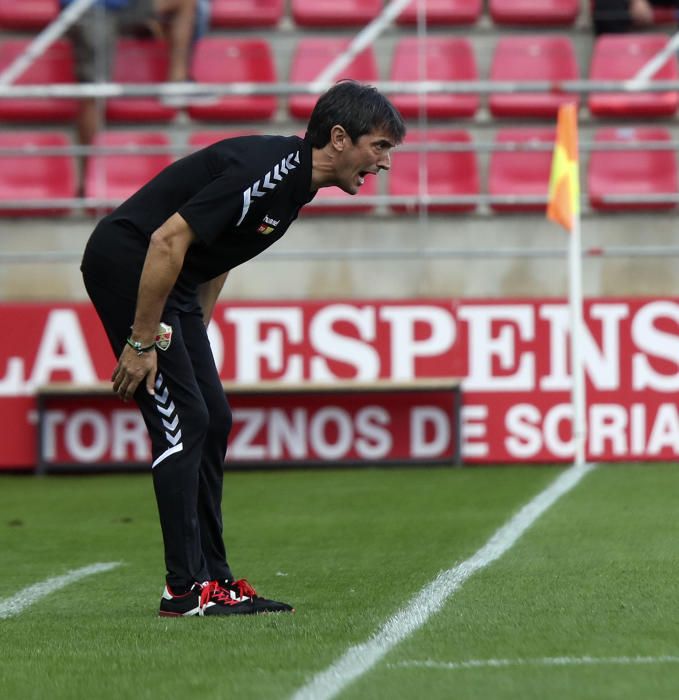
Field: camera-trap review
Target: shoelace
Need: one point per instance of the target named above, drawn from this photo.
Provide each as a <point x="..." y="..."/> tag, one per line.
<point x="213" y="589"/>
<point x="244" y="588"/>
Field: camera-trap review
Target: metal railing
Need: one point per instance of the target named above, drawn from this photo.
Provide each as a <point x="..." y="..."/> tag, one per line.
<point x="411" y="202"/>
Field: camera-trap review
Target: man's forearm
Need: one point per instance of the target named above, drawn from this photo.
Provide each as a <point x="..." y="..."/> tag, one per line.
<point x="158" y="277"/>
<point x="164" y="260"/>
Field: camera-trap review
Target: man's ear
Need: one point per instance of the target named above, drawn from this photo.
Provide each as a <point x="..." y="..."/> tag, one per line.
<point x="338" y="137"/>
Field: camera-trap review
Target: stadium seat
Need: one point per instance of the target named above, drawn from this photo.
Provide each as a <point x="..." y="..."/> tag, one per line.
<point x="632" y="172"/>
<point x="201" y="139"/>
<point x="446" y="59"/>
<point x="532" y="58"/>
<point x="140" y="61"/>
<point x="116" y="177"/>
<point x="443" y="12"/>
<point x="449" y="173"/>
<point x="33" y="177"/>
<point x="312" y="55"/>
<point x="224" y="60"/>
<point x="51" y="68"/>
<point x="245" y="13"/>
<point x="620" y="57"/>
<point x="330" y="13"/>
<point x="534" y="12"/>
<point x="521" y="173"/>
<point x="23" y="15"/>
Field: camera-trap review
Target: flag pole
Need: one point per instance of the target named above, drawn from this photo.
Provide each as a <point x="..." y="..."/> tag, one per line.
<point x="563" y="207"/>
<point x="578" y="397"/>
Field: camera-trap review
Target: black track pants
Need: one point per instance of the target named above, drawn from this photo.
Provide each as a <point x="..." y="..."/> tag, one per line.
<point x="188" y="421"/>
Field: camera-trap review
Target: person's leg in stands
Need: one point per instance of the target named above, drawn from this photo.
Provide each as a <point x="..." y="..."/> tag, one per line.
<point x="179" y="20"/>
<point x="93" y="39"/>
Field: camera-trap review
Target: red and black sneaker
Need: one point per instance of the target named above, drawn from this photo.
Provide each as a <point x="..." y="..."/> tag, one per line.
<point x="237" y="598"/>
<point x="181" y="604"/>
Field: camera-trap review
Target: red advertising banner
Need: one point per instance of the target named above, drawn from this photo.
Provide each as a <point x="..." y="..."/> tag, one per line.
<point x="511" y="354"/>
<point x="268" y="429"/>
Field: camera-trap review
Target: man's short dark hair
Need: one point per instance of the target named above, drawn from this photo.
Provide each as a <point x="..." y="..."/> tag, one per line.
<point x="359" y="108"/>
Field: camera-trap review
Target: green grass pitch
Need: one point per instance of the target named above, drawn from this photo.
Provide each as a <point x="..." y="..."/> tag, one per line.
<point x="592" y="586"/>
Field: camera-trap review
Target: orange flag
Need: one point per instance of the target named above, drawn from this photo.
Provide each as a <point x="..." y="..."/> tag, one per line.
<point x="564" y="182"/>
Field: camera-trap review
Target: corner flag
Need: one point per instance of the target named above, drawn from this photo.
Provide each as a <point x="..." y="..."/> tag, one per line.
<point x="563" y="205"/>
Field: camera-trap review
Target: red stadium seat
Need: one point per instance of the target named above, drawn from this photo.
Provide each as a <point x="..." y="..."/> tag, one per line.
<point x="446" y="59"/>
<point x="632" y="172"/>
<point x="619" y="57"/>
<point x="55" y="66"/>
<point x="312" y="56"/>
<point x="521" y="173"/>
<point x="201" y="139"/>
<point x="116" y="177"/>
<point x="245" y="13"/>
<point x="225" y="60"/>
<point x="443" y="12"/>
<point x="22" y="15"/>
<point x="449" y="173"/>
<point x="330" y="13"/>
<point x="534" y="12"/>
<point x="532" y="58"/>
<point x="33" y="177"/>
<point x="140" y="61"/>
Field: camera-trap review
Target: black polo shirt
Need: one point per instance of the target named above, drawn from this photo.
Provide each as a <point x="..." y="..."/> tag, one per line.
<point x="239" y="196"/>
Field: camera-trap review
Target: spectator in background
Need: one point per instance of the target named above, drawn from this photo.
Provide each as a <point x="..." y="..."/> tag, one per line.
<point x="614" y="16"/>
<point x="95" y="33"/>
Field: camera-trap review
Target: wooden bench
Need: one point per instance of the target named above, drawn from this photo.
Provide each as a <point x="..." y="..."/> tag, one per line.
<point x="65" y="390"/>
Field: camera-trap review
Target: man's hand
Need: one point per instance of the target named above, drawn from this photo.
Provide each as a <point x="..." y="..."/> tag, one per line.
<point x="131" y="370"/>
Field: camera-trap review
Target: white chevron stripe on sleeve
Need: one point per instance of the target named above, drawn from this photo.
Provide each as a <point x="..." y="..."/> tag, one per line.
<point x="246" y="205"/>
<point x="269" y="182"/>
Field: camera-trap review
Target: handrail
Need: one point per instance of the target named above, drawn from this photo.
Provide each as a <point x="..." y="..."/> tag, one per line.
<point x="585" y="146"/>
<point x="409" y="201"/>
<point x="407" y="254"/>
<point x="205" y="91"/>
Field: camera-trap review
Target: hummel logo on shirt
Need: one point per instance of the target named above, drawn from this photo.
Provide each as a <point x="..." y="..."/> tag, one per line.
<point x="268" y="182"/>
<point x="268" y="225"/>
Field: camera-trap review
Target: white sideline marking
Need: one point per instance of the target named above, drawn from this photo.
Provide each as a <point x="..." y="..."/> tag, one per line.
<point x="360" y="658"/>
<point x="26" y="597"/>
<point x="547" y="661"/>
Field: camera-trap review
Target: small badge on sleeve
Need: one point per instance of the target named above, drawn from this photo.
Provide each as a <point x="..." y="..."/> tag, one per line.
<point x="164" y="336"/>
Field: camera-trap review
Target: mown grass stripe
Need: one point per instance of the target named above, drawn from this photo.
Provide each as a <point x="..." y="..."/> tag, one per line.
<point x="27" y="596"/>
<point x="360" y="658"/>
